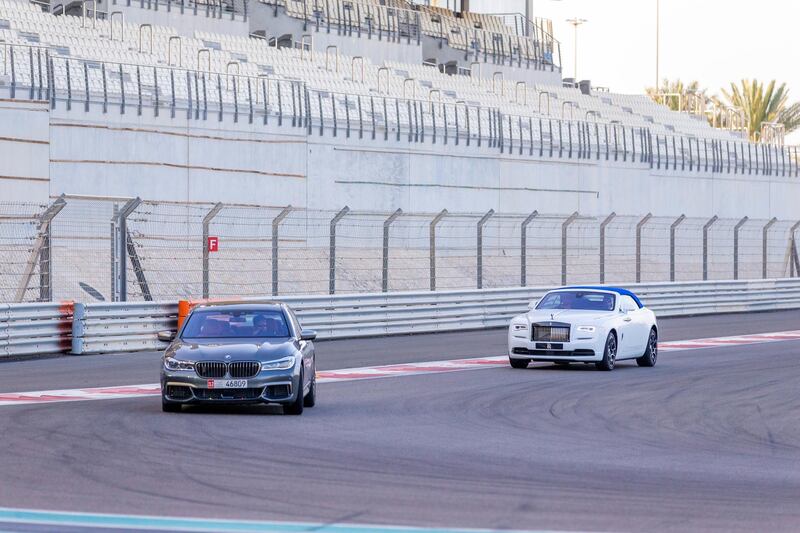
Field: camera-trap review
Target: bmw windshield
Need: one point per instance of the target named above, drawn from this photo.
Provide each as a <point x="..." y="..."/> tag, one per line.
<point x="577" y="300"/>
<point x="243" y="324"/>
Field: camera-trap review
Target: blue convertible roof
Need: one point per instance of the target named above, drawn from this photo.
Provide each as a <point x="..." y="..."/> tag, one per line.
<point x="618" y="290"/>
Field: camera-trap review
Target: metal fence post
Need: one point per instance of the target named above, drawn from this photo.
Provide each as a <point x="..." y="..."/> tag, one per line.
<point x="764" y="234"/>
<point x="639" y="227"/>
<point x="484" y="219"/>
<point x="672" y="230"/>
<point x="603" y="225"/>
<point x="523" y="249"/>
<point x="41" y="254"/>
<point x="206" y="234"/>
<point x="276" y="222"/>
<point x="332" y="268"/>
<point x="736" y="229"/>
<point x="121" y="240"/>
<point x="707" y="226"/>
<point x="138" y="270"/>
<point x="385" y="271"/>
<point x="794" y="260"/>
<point x="433" y="225"/>
<point x="564" y="228"/>
<point x="113" y="253"/>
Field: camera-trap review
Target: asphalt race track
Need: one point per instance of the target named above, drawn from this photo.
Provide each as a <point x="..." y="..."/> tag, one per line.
<point x="707" y="440"/>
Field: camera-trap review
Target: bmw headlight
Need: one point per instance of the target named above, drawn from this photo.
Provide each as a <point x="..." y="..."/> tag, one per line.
<point x="172" y="364"/>
<point x="586" y="329"/>
<point x="279" y="364"/>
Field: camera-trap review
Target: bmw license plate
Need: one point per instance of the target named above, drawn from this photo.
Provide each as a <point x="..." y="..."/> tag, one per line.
<point x="227" y="383"/>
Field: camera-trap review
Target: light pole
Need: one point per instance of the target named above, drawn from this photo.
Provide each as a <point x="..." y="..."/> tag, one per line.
<point x="658" y="40"/>
<point x="575" y="23"/>
<point x="529" y="13"/>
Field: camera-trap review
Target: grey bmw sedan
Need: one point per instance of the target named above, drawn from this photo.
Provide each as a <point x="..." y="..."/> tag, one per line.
<point x="239" y="353"/>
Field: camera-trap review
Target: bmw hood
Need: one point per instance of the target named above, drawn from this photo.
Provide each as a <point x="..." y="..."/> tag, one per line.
<point x="233" y="351"/>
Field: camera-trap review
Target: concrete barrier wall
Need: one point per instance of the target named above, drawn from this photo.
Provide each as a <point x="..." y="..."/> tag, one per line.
<point x="24" y="150"/>
<point x="182" y="159"/>
<point x="186" y="160"/>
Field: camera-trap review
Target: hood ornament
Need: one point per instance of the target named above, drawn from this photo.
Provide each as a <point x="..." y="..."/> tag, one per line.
<point x="552" y="316"/>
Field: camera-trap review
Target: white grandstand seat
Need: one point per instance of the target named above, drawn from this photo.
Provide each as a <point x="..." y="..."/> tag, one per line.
<point x="222" y="54"/>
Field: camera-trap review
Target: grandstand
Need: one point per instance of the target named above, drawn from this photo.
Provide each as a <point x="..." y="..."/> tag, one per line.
<point x="373" y="105"/>
<point x="254" y="55"/>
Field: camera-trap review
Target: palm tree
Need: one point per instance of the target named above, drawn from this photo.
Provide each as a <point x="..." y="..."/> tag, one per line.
<point x="762" y="104"/>
<point x="675" y="87"/>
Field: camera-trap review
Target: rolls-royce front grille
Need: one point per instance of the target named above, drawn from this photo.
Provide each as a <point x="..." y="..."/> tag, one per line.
<point x="236" y="369"/>
<point x="244" y="369"/>
<point x="211" y="369"/>
<point x="551" y="333"/>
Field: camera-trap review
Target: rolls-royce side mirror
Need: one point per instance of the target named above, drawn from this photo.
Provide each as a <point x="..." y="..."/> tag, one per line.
<point x="308" y="335"/>
<point x="166" y="336"/>
<point x="532" y="306"/>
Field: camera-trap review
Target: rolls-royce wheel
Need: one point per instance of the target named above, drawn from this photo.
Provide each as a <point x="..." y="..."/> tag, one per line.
<point x="296" y="407"/>
<point x="518" y="363"/>
<point x="609" y="354"/>
<point x="651" y="353"/>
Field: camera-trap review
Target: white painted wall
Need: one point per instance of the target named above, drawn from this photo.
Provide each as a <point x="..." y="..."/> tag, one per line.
<point x="24" y="151"/>
<point x="188" y="160"/>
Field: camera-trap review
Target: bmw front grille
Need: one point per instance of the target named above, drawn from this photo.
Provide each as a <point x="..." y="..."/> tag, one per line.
<point x="244" y="369"/>
<point x="236" y="369"/>
<point x="211" y="369"/>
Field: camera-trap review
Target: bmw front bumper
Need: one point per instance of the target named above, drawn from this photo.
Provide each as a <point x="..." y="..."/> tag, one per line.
<point x="269" y="386"/>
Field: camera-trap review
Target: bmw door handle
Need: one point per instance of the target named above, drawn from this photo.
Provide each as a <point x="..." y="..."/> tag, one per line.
<point x="628" y="319"/>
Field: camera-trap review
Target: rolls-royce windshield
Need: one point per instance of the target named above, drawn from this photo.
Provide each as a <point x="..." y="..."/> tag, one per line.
<point x="578" y="300"/>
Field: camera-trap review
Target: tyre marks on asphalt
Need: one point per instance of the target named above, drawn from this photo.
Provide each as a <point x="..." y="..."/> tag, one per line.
<point x="372" y="372"/>
<point x="33" y="520"/>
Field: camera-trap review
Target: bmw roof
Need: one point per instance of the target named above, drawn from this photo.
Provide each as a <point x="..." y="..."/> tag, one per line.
<point x="617" y="290"/>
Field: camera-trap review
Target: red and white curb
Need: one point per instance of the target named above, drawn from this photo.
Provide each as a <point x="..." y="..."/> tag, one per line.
<point x="372" y="372"/>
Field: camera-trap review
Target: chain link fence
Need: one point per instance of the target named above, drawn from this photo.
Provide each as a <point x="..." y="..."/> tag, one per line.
<point x="117" y="249"/>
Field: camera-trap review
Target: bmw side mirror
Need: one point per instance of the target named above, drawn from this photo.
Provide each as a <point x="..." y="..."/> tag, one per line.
<point x="308" y="335"/>
<point x="166" y="336"/>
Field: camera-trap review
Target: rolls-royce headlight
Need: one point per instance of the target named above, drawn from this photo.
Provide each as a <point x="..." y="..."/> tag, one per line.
<point x="174" y="365"/>
<point x="586" y="329"/>
<point x="519" y="327"/>
<point x="279" y="364"/>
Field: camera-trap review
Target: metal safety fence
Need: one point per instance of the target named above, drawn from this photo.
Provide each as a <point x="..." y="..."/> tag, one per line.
<point x="126" y="249"/>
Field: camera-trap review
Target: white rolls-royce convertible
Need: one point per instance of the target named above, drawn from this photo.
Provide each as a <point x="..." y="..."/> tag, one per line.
<point x="600" y="325"/>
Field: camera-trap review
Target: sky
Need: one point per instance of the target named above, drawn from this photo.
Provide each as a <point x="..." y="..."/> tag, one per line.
<point x="712" y="41"/>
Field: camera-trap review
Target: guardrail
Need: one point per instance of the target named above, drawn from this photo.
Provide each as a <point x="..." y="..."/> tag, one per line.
<point x="121" y="327"/>
<point x="115" y="327"/>
<point x="35" y="328"/>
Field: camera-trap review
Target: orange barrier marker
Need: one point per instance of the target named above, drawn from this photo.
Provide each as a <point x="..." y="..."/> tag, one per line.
<point x="66" y="309"/>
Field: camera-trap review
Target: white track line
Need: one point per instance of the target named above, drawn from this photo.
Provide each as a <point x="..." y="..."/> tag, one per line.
<point x="371" y="372"/>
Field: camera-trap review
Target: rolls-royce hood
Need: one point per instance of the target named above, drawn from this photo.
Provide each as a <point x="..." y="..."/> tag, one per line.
<point x="238" y="351"/>
<point x="567" y="315"/>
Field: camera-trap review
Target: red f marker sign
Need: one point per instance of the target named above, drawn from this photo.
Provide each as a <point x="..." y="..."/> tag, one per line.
<point x="213" y="244"/>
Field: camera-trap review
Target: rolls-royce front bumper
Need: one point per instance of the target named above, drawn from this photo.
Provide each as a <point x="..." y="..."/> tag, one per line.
<point x="578" y="350"/>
